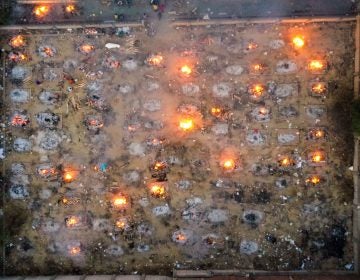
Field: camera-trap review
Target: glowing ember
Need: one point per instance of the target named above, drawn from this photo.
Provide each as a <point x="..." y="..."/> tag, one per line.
<point x="298" y="42"/>
<point x="160" y="165"/>
<point x="216" y="111"/>
<point x="69" y="174"/>
<point x="157" y="190"/>
<point x="47" y="172"/>
<point x="228" y="164"/>
<point x="180" y="237"/>
<point x="121" y="223"/>
<point x="156" y="60"/>
<point x="70" y="8"/>
<point x="72" y="221"/>
<point x="86" y="48"/>
<point x="286" y="161"/>
<point x="318" y="88"/>
<point x="317" y="157"/>
<point x="17" y="41"/>
<point x="257" y="68"/>
<point x="186" y="124"/>
<point x="41" y="11"/>
<point x="74" y="250"/>
<point x="256" y="90"/>
<point x="119" y="201"/>
<point x="20" y="120"/>
<point x="263" y="111"/>
<point x="17" y="56"/>
<point x="314" y="180"/>
<point x="185" y="70"/>
<point x="251" y="46"/>
<point x="316" y="134"/>
<point x="316" y="65"/>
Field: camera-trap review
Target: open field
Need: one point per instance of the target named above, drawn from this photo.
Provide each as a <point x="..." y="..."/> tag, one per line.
<point x="191" y="148"/>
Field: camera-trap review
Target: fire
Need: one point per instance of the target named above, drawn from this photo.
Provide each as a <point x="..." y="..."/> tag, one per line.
<point x="17" y="41"/>
<point x="317" y="157"/>
<point x="156" y="60"/>
<point x="72" y="221"/>
<point x="19" y="120"/>
<point x="157" y="190"/>
<point x="257" y="90"/>
<point x="69" y="174"/>
<point x="251" y="46"/>
<point x="298" y="42"/>
<point x="228" y="164"/>
<point x="313" y="180"/>
<point x="263" y="111"/>
<point x="316" y="65"/>
<point x="121" y="223"/>
<point x="186" y="124"/>
<point x="181" y="237"/>
<point x="70" y="8"/>
<point x="87" y="48"/>
<point x="318" y="88"/>
<point x="257" y="67"/>
<point x="120" y="201"/>
<point x="186" y="70"/>
<point x="285" y="161"/>
<point x="48" y="51"/>
<point x="158" y="166"/>
<point x="41" y="11"/>
<point x="74" y="250"/>
<point x="47" y="172"/>
<point x="216" y="111"/>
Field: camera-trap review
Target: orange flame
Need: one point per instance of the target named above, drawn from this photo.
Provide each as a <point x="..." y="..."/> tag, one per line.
<point x="181" y="237"/>
<point x="186" y="70"/>
<point x="120" y="223"/>
<point x="155" y="60"/>
<point x="69" y="174"/>
<point x="216" y="111"/>
<point x="186" y="124"/>
<point x="75" y="250"/>
<point x="18" y="120"/>
<point x="263" y="111"/>
<point x="41" y="11"/>
<point x="120" y="201"/>
<point x="316" y="65"/>
<point x="257" y="90"/>
<point x="87" y="48"/>
<point x="70" y="8"/>
<point x="157" y="190"/>
<point x="72" y="221"/>
<point x="228" y="164"/>
<point x="257" y="67"/>
<point x="47" y="171"/>
<point x="317" y="157"/>
<point x="252" y="46"/>
<point x="17" y="41"/>
<point x="313" y="180"/>
<point x="159" y="166"/>
<point x="285" y="161"/>
<point x="318" y="88"/>
<point x="298" y="42"/>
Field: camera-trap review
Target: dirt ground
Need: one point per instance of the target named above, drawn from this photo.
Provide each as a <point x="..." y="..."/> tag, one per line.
<point x="119" y="116"/>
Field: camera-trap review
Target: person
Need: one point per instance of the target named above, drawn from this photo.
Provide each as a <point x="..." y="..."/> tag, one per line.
<point x="155" y="4"/>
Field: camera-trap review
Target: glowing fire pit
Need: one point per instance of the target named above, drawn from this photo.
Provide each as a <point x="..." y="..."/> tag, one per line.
<point x="70" y="9"/>
<point x="298" y="42"/>
<point x="314" y="180"/>
<point x="94" y="122"/>
<point x="120" y="201"/>
<point x="86" y="48"/>
<point x="186" y="124"/>
<point x="317" y="157"/>
<point x="157" y="190"/>
<point x="17" y="57"/>
<point x="258" y="68"/>
<point x="185" y="70"/>
<point x="74" y="221"/>
<point x="41" y="11"/>
<point x="122" y="224"/>
<point x="47" y="51"/>
<point x="155" y="60"/>
<point x="17" y="41"/>
<point x="256" y="91"/>
<point x="19" y="119"/>
<point x="286" y="161"/>
<point x="316" y="66"/>
<point x="251" y="46"/>
<point x="261" y="114"/>
<point x="69" y="174"/>
<point x="318" y="89"/>
<point x="74" y="250"/>
<point x="46" y="171"/>
<point x="316" y="134"/>
<point x="159" y="166"/>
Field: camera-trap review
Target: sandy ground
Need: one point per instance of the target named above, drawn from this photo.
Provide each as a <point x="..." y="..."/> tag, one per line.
<point x="295" y="227"/>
